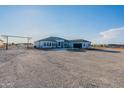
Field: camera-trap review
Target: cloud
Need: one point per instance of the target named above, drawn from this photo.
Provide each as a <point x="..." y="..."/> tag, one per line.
<point x="112" y="33"/>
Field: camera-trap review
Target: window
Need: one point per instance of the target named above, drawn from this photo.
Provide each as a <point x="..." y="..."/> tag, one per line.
<point x="44" y="43"/>
<point x="47" y="43"/>
<point x="59" y="44"/>
<point x="52" y="44"/>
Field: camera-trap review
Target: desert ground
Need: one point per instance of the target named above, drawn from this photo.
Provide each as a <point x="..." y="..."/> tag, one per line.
<point x="27" y="68"/>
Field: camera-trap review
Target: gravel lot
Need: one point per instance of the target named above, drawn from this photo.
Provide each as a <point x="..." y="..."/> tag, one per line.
<point x="50" y="69"/>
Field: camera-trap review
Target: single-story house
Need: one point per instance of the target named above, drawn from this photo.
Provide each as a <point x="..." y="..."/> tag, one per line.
<point x="57" y="42"/>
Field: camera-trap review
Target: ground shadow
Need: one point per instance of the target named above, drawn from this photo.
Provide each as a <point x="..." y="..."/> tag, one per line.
<point x="65" y="49"/>
<point x="81" y="50"/>
<point x="103" y="50"/>
<point x="76" y="50"/>
<point x="50" y="49"/>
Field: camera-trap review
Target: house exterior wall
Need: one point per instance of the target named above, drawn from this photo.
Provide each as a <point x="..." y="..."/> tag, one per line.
<point x="84" y="44"/>
<point x="88" y="45"/>
<point x="45" y="44"/>
<point x="66" y="44"/>
<point x="60" y="44"/>
<point x="36" y="44"/>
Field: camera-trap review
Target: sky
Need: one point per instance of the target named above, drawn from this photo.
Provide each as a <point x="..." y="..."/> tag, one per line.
<point x="98" y="24"/>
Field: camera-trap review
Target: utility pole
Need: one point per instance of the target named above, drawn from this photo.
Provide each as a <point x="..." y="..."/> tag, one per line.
<point x="28" y="42"/>
<point x="6" y="42"/>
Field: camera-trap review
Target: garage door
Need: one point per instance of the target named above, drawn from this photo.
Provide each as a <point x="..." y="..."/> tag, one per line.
<point x="77" y="45"/>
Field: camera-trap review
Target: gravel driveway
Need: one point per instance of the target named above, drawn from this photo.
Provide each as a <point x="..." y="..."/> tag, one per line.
<point x="54" y="69"/>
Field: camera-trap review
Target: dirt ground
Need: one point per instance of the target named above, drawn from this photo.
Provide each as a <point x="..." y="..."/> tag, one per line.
<point x="27" y="68"/>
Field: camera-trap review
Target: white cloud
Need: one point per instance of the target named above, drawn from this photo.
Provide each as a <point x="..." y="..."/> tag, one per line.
<point x="112" y="33"/>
